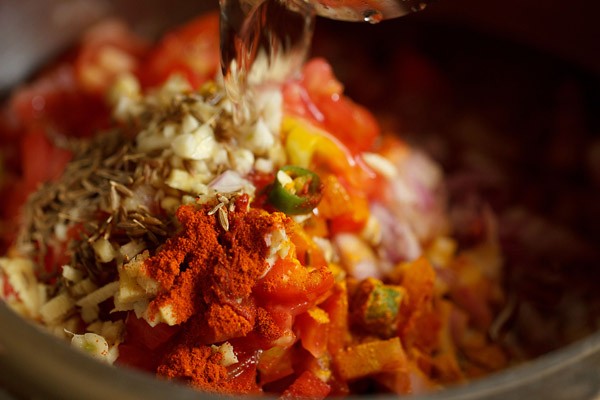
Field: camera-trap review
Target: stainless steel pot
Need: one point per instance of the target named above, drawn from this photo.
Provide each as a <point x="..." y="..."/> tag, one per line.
<point x="36" y="365"/>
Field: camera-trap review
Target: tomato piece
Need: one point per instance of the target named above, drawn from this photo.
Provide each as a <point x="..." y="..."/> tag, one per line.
<point x="140" y="333"/>
<point x="292" y="283"/>
<point x="191" y="51"/>
<point x="106" y="51"/>
<point x="41" y="160"/>
<point x="275" y="364"/>
<point x="346" y="210"/>
<point x="243" y="374"/>
<point x="139" y="357"/>
<point x="351" y="123"/>
<point x="336" y="307"/>
<point x="313" y="330"/>
<point x="307" y="251"/>
<point x="319" y="98"/>
<point x="55" y="100"/>
<point x="307" y="386"/>
<point x="144" y="344"/>
<point x="319" y="80"/>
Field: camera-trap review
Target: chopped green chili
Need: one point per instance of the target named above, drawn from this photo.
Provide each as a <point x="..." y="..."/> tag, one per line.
<point x="377" y="306"/>
<point x="295" y="191"/>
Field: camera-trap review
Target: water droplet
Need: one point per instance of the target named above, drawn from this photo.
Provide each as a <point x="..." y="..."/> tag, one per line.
<point x="373" y="16"/>
<point x="261" y="41"/>
<point x="419" y="7"/>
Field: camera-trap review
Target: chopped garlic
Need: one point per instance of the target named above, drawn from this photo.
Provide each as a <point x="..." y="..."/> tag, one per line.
<point x="129" y="292"/>
<point x="166" y="314"/>
<point x="260" y="139"/>
<point x="357" y="257"/>
<point x="83" y="287"/>
<point x="90" y="313"/>
<point x="189" y="124"/>
<point x="21" y="276"/>
<point x="92" y="344"/>
<point x="183" y="180"/>
<point x="264" y="165"/>
<point x="104" y="250"/>
<point x="279" y="246"/>
<point x="372" y="231"/>
<point x="226" y="349"/>
<point x="57" y="308"/>
<point x="113" y="331"/>
<point x="60" y="230"/>
<point x="242" y="160"/>
<point x="72" y="274"/>
<point x="129" y="250"/>
<point x="380" y="164"/>
<point x="197" y="145"/>
<point x="99" y="295"/>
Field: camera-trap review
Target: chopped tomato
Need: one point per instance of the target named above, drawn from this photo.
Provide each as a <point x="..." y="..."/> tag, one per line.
<point x="346" y="210"/>
<point x="41" y="160"/>
<point x="136" y="356"/>
<point x="307" y="251"/>
<point x="275" y="364"/>
<point x="191" y="51"/>
<point x="319" y="98"/>
<point x="351" y="123"/>
<point x="144" y="344"/>
<point x="336" y="307"/>
<point x="56" y="101"/>
<point x="242" y="375"/>
<point x="140" y="332"/>
<point x="106" y="51"/>
<point x="307" y="386"/>
<point x="312" y="327"/>
<point x="292" y="283"/>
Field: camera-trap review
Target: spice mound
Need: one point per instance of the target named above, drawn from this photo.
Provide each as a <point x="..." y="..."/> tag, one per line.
<point x="302" y="252"/>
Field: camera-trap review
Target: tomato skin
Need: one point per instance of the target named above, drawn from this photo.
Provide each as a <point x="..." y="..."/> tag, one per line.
<point x="41" y="160"/>
<point x="191" y="51"/>
<point x="291" y="283"/>
<point x="307" y="386"/>
<point x="143" y="346"/>
<point x="55" y="100"/>
<point x="106" y="51"/>
<point x="313" y="331"/>
<point x="319" y="98"/>
<point x="346" y="210"/>
<point x="138" y="357"/>
<point x="351" y="123"/>
<point x="138" y="331"/>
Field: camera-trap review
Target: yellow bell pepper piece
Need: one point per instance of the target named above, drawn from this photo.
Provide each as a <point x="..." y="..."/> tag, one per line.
<point x="309" y="146"/>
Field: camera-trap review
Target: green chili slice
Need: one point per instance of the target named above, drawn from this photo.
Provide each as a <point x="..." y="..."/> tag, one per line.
<point x="376" y="306"/>
<point x="295" y="191"/>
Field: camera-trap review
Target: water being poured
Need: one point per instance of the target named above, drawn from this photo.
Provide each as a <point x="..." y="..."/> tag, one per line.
<point x="261" y="41"/>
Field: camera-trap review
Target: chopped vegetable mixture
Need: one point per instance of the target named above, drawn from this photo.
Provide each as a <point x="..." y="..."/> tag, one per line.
<point x="303" y="253"/>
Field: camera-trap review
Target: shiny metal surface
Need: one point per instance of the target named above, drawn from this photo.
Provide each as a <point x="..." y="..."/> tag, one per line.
<point x="372" y="11"/>
<point x="36" y="365"/>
